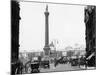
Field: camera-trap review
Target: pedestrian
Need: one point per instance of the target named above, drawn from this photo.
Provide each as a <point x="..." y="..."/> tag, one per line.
<point x="55" y="62"/>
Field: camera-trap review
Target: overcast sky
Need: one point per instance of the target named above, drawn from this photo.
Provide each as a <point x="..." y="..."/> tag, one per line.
<point x="66" y="24"/>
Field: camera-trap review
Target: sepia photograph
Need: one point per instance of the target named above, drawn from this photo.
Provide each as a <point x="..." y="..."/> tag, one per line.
<point x="52" y="37"/>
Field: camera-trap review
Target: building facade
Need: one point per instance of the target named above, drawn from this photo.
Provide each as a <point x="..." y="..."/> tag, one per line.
<point x="90" y="22"/>
<point x="14" y="35"/>
<point x="15" y="29"/>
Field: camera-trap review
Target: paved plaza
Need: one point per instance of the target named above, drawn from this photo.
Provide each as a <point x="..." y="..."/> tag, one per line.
<point x="61" y="67"/>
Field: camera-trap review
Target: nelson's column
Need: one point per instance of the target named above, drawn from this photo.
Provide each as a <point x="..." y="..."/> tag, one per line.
<point x="46" y="47"/>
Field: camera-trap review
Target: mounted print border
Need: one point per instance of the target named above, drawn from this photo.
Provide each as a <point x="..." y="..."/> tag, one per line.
<point x="52" y="37"/>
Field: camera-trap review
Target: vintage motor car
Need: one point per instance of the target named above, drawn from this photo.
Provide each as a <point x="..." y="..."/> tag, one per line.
<point x="45" y="63"/>
<point x="62" y="60"/>
<point x="74" y="61"/>
<point x="35" y="66"/>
